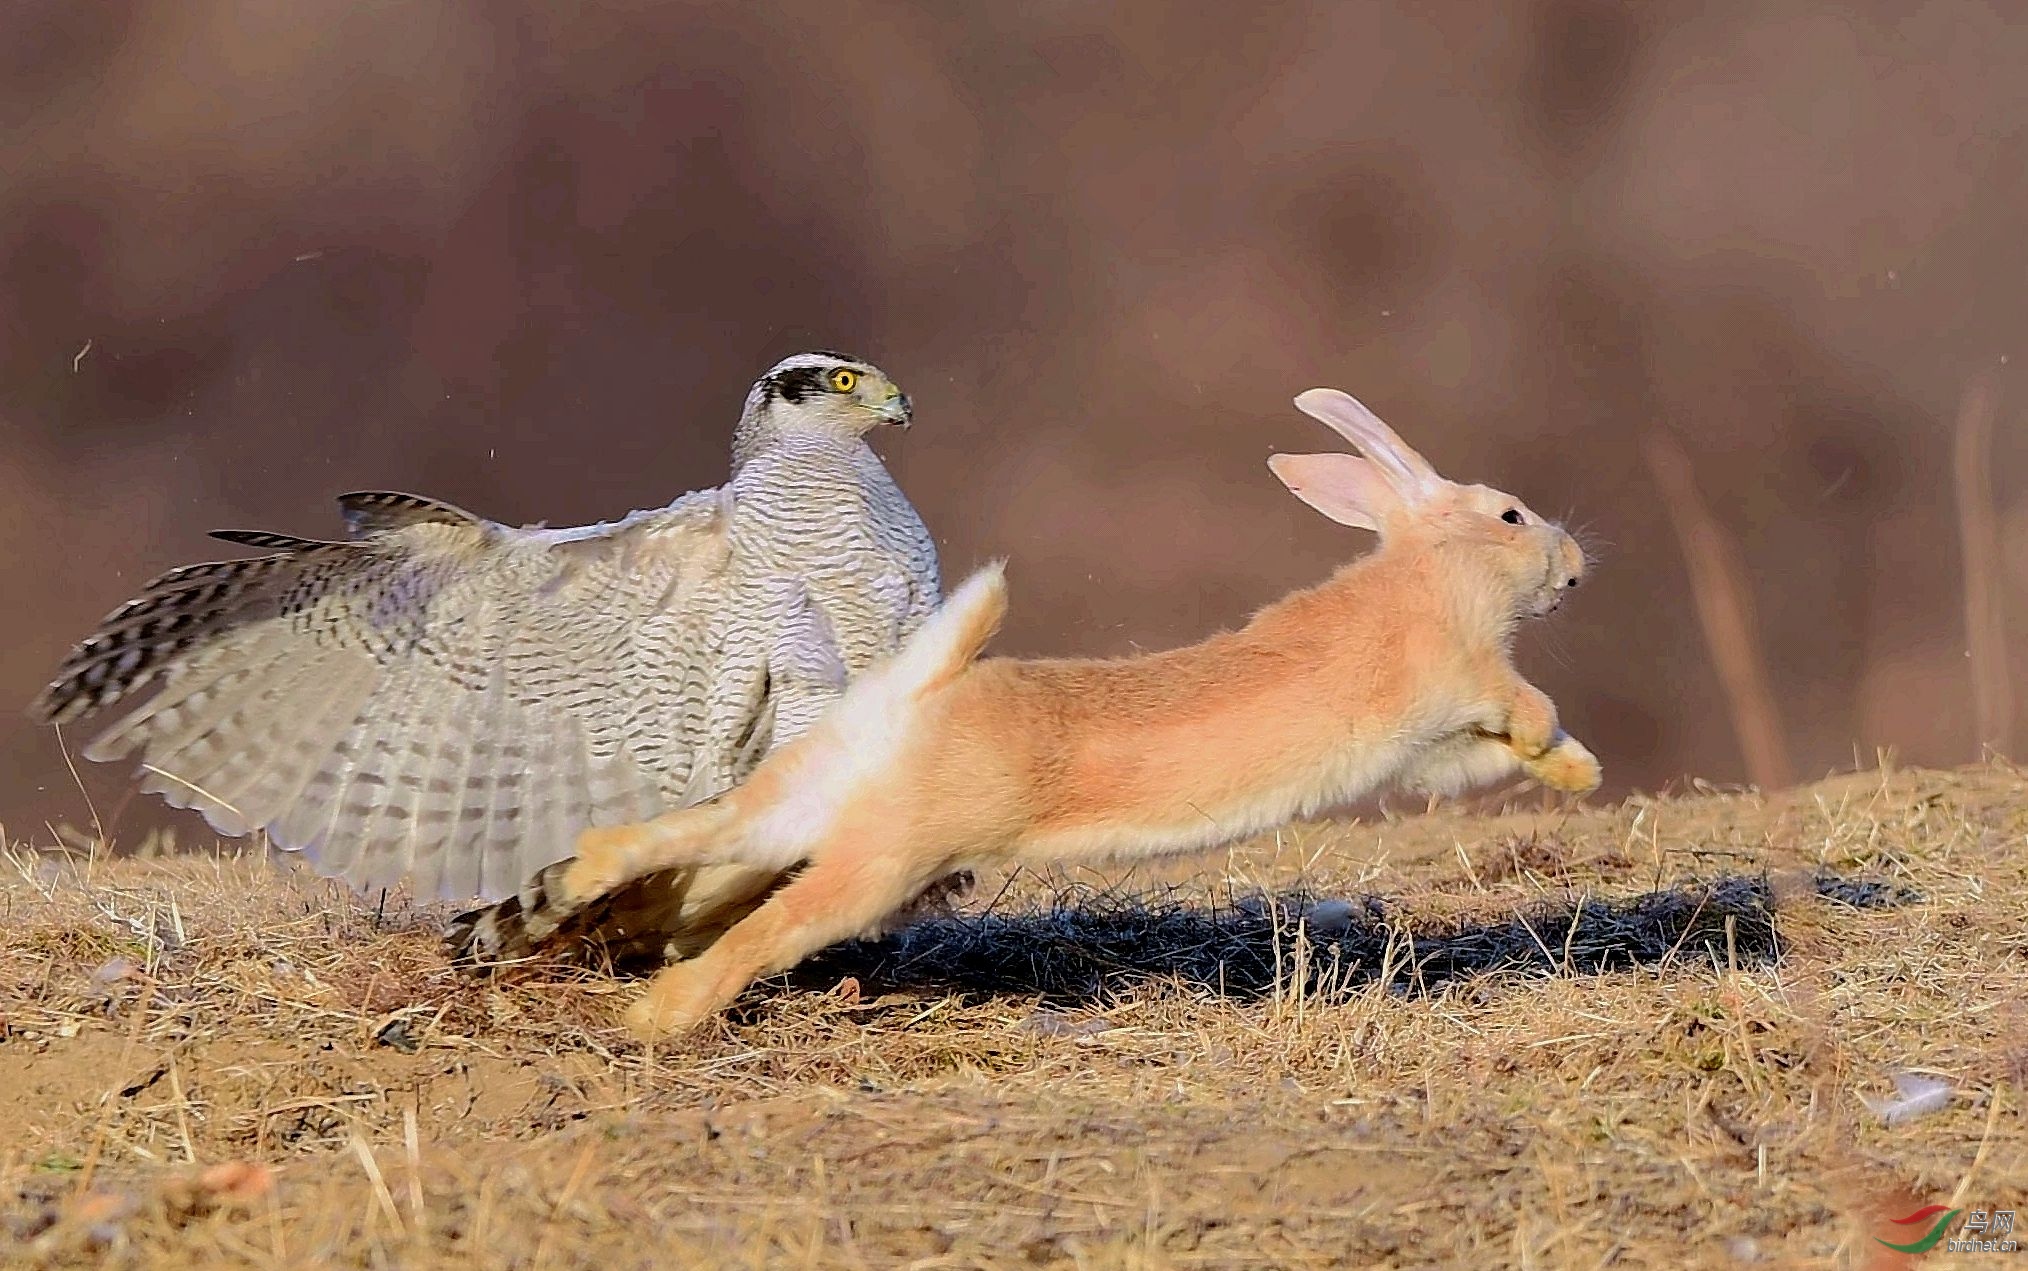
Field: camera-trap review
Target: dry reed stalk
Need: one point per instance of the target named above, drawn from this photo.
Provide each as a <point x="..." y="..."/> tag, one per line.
<point x="1718" y="587"/>
<point x="1979" y="536"/>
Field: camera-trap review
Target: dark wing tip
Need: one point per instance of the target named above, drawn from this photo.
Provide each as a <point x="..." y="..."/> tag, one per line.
<point x="377" y="511"/>
<point x="271" y="542"/>
<point x="131" y="645"/>
<point x="55" y="704"/>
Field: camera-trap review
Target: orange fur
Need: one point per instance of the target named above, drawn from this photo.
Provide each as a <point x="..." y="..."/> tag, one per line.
<point x="1396" y="671"/>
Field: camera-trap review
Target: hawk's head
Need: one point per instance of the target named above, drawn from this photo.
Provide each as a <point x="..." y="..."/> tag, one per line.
<point x="830" y="391"/>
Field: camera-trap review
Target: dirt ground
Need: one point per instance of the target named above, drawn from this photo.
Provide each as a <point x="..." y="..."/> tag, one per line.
<point x="1655" y="1034"/>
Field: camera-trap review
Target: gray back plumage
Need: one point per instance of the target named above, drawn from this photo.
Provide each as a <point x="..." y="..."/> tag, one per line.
<point x="448" y="700"/>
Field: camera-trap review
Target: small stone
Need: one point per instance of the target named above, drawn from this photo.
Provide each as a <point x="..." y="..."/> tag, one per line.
<point x="397" y="1035"/>
<point x="1329" y="917"/>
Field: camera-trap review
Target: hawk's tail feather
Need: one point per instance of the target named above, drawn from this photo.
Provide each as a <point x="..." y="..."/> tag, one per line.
<point x="478" y="938"/>
<point x="660" y="918"/>
<point x="509" y="929"/>
<point x="647" y="922"/>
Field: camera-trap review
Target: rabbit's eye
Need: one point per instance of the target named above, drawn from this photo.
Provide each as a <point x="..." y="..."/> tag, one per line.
<point x="1512" y="516"/>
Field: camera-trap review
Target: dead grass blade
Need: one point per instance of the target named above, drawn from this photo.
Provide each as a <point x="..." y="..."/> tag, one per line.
<point x="1979" y="539"/>
<point x="1718" y="586"/>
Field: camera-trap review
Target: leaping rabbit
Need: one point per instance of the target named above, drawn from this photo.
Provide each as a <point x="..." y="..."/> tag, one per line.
<point x="1395" y="672"/>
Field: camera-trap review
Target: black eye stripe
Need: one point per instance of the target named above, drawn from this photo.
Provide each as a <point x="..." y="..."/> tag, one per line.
<point x="798" y="382"/>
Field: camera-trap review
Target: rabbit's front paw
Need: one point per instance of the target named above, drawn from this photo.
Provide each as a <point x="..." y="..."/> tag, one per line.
<point x="1531" y="723"/>
<point x="1566" y="766"/>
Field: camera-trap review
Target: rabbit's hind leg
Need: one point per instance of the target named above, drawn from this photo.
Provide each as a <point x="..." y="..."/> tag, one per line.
<point x="839" y="895"/>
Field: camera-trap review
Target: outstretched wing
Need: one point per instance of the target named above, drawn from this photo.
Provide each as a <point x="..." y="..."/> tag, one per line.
<point x="440" y="697"/>
<point x="838" y="589"/>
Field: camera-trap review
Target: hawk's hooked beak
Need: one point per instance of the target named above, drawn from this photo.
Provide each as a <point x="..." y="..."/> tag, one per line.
<point x="895" y="408"/>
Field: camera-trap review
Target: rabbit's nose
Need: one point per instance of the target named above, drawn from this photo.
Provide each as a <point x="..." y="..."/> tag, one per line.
<point x="1573" y="564"/>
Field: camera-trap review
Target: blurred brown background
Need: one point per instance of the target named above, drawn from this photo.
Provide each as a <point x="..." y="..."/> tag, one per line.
<point x="527" y="257"/>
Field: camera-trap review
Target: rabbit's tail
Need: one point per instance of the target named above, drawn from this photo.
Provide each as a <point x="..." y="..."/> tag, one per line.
<point x="801" y="791"/>
<point x="880" y="702"/>
<point x="952" y="637"/>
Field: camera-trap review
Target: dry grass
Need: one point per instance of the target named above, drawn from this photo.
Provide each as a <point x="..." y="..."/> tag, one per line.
<point x="1446" y="1040"/>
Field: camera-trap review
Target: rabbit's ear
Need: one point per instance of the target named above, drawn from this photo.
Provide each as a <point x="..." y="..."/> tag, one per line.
<point x="1344" y="414"/>
<point x="1345" y="488"/>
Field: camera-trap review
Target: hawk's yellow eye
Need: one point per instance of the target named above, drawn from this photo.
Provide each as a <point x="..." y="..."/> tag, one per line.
<point x="842" y="380"/>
